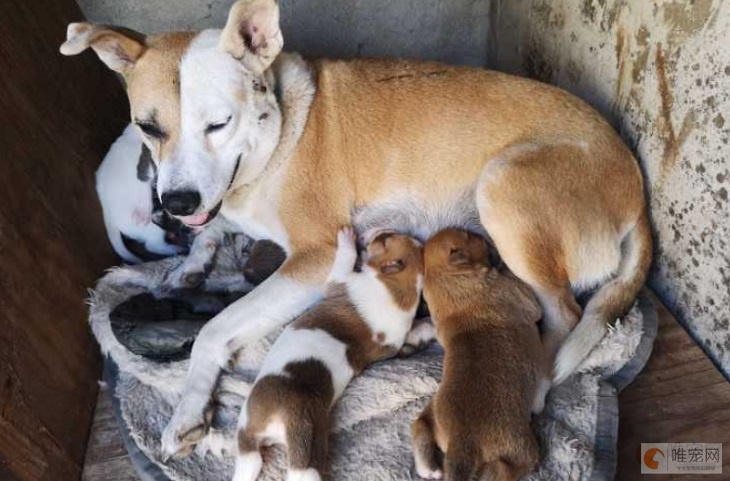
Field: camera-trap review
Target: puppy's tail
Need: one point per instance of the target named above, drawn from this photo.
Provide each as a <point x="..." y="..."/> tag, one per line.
<point x="611" y="301"/>
<point x="462" y="461"/>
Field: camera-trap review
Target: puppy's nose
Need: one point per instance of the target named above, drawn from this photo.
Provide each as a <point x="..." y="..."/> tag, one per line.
<point x="181" y="202"/>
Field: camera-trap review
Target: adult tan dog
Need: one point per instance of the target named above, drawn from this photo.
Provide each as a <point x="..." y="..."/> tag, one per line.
<point x="291" y="151"/>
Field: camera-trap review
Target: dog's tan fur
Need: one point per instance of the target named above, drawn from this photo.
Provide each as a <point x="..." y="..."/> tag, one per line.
<point x="493" y="367"/>
<point x="540" y="171"/>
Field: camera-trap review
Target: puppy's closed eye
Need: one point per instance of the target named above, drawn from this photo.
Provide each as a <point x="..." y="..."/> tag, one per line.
<point x="392" y="267"/>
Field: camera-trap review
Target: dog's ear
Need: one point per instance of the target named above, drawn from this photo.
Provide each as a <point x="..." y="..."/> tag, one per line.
<point x="252" y="34"/>
<point x="117" y="47"/>
<point x="392" y="267"/>
<point x="525" y="298"/>
<point x="457" y="257"/>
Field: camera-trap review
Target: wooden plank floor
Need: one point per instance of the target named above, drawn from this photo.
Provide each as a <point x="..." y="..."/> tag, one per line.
<point x="106" y="456"/>
<point x="679" y="397"/>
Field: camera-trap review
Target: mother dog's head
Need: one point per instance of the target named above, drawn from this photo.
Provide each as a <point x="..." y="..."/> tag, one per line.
<point x="203" y="102"/>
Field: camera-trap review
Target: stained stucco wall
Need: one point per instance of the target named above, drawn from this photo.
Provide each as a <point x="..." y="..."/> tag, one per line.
<point x="661" y="71"/>
<point x="447" y="30"/>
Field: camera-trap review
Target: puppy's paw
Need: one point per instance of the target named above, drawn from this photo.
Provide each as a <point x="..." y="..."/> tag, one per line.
<point x="346" y="238"/>
<point x="218" y="444"/>
<point x="419" y="337"/>
<point x="428" y="473"/>
<point x="310" y="474"/>
<point x="346" y="255"/>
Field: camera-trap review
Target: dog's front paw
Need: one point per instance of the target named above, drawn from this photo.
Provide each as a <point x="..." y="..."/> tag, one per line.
<point x="183" y="432"/>
<point x="184" y="276"/>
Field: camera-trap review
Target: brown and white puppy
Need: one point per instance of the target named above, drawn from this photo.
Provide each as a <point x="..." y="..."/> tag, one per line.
<point x="496" y="371"/>
<point x="290" y="150"/>
<point x="364" y="318"/>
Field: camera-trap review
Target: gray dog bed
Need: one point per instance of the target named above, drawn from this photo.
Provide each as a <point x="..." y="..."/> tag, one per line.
<point x="371" y="429"/>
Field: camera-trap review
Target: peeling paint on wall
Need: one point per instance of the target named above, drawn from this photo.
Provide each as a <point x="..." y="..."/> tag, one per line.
<point x="660" y="70"/>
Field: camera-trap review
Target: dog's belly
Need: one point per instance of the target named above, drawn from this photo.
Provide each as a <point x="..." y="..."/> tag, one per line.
<point x="418" y="215"/>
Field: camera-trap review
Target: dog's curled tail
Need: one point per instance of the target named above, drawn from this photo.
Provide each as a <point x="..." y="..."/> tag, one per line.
<point x="462" y="461"/>
<point x="611" y="301"/>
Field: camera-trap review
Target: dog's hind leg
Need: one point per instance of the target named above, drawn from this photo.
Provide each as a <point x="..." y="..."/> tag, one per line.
<point x="560" y="311"/>
<point x="559" y="231"/>
<point x="307" y="446"/>
<point x="425" y="449"/>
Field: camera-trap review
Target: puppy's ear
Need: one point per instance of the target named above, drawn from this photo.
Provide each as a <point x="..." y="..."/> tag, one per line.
<point x="526" y="299"/>
<point x="252" y="34"/>
<point x="457" y="257"/>
<point x="117" y="47"/>
<point x="392" y="267"/>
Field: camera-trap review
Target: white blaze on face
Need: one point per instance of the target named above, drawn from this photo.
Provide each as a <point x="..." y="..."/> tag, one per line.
<point x="221" y="121"/>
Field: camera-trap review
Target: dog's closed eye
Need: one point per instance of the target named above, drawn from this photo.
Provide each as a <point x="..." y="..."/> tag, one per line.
<point x="216" y="126"/>
<point x="151" y="129"/>
<point x="392" y="267"/>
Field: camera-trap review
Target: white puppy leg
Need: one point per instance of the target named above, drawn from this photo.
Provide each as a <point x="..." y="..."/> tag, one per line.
<point x="345" y="258"/>
<point x="248" y="466"/>
<point x="310" y="474"/>
<point x="272" y="304"/>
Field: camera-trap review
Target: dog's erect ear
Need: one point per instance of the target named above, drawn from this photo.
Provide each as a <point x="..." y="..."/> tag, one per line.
<point x="117" y="47"/>
<point x="392" y="267"/>
<point x="252" y="34"/>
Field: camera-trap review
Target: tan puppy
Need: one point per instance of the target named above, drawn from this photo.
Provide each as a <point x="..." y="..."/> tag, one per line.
<point x="496" y="371"/>
<point x="290" y="150"/>
<point x="364" y="318"/>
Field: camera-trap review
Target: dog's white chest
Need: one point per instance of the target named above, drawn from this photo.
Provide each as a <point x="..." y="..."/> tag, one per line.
<point x="258" y="215"/>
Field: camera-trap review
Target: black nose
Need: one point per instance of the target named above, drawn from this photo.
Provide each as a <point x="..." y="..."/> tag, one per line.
<point x="181" y="202"/>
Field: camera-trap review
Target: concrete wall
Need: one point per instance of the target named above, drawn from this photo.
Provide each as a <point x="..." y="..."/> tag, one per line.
<point x="448" y="30"/>
<point x="661" y="71"/>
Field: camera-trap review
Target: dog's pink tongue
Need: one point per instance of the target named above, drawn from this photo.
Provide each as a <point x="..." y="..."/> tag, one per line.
<point x="194" y="220"/>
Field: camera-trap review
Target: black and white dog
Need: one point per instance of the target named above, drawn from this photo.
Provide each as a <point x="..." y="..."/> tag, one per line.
<point x="136" y="224"/>
<point x="139" y="229"/>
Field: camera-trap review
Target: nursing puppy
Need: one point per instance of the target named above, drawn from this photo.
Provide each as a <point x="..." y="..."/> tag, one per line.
<point x="363" y="318"/>
<point x="496" y="371"/>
